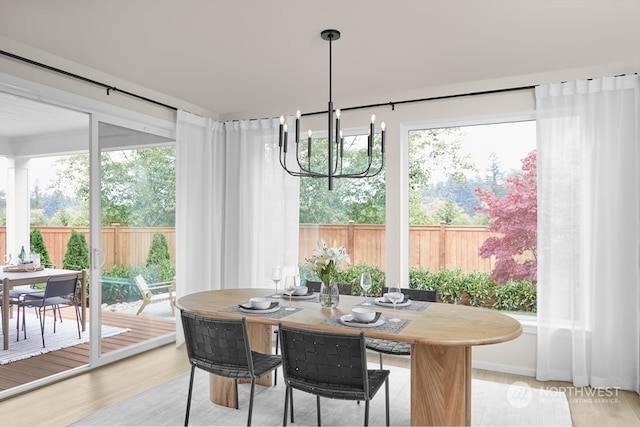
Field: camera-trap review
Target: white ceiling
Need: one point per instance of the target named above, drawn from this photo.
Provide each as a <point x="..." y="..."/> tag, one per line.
<point x="247" y="58"/>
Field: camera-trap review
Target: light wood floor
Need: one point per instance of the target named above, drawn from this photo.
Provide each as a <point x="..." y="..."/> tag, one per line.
<point x="72" y="399"/>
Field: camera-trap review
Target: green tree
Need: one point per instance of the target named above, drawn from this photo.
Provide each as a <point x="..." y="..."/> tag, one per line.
<point x="38" y="246"/>
<point x="433" y="153"/>
<point x="77" y="254"/>
<point x="159" y="255"/>
<point x="360" y="200"/>
<point x="137" y="186"/>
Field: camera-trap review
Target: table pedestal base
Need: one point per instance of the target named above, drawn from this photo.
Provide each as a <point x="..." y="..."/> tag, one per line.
<point x="440" y="385"/>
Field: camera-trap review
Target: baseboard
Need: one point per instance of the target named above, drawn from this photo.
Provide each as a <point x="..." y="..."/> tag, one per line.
<point x="507" y="369"/>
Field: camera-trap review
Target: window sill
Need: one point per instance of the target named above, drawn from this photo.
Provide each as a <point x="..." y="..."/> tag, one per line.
<point x="529" y="323"/>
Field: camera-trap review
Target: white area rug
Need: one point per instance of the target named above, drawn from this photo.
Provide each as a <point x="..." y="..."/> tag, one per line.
<point x="493" y="404"/>
<point x="66" y="336"/>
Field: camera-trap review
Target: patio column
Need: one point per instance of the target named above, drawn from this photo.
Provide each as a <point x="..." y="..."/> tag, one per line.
<point x="18" y="206"/>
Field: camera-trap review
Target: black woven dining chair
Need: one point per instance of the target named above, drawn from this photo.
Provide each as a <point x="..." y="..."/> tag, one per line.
<point x="331" y="365"/>
<point x="343" y="289"/>
<point x="397" y="348"/>
<point x="221" y="347"/>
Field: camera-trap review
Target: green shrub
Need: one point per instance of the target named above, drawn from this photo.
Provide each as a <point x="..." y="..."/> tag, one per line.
<point x="516" y="296"/>
<point x="38" y="246"/>
<point x="452" y="286"/>
<point x="352" y="274"/>
<point x="479" y="288"/>
<point x="76" y="256"/>
<point x="159" y="256"/>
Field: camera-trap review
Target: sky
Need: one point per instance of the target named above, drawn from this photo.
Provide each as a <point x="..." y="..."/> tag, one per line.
<point x="510" y="141"/>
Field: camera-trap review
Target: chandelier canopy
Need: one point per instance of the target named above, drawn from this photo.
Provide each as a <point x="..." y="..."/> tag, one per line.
<point x="335" y="141"/>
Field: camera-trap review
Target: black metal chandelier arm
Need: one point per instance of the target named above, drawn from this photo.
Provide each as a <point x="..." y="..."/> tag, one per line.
<point x="365" y="173"/>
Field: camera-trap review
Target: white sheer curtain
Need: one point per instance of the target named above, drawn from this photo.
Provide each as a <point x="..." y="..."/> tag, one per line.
<point x="237" y="210"/>
<point x="589" y="232"/>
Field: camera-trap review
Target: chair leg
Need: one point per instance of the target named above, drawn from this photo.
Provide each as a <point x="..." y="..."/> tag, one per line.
<point x="186" y="415"/>
<point x="43" y="313"/>
<point x="286" y="406"/>
<point x="235" y="384"/>
<point x="318" y="410"/>
<point x="78" y="320"/>
<point x="275" y="372"/>
<point x="386" y="397"/>
<point x="366" y="413"/>
<point x="253" y="386"/>
<point x="291" y="400"/>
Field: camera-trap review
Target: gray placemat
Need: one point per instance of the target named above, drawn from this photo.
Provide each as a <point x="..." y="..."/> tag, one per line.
<point x="393" y="327"/>
<point x="414" y="306"/>
<point x="275" y="315"/>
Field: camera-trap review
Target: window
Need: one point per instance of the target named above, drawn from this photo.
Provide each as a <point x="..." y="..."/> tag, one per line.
<point x="472" y="213"/>
<point x="352" y="214"/>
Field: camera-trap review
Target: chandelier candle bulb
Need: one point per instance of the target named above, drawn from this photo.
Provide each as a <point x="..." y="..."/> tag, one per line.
<point x="285" y="141"/>
<point x="338" y="131"/>
<point x="281" y="131"/>
<point x="309" y="150"/>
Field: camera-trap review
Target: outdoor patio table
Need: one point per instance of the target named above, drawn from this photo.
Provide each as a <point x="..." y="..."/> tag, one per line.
<point x="441" y="338"/>
<point x="12" y="279"/>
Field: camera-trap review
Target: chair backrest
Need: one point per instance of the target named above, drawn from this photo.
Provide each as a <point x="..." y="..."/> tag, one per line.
<point x="217" y="345"/>
<point x="323" y="359"/>
<point x="142" y="285"/>
<point x="343" y="288"/>
<point x="61" y="286"/>
<point x="428" y="295"/>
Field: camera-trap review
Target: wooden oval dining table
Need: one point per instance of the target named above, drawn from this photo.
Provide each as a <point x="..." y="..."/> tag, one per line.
<point x="441" y="338"/>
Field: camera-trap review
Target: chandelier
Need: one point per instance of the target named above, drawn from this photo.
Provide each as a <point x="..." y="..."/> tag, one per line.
<point x="335" y="141"/>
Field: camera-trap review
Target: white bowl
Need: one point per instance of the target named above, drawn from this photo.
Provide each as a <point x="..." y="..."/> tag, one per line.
<point x="299" y="290"/>
<point x="386" y="298"/>
<point x="260" y="303"/>
<point x="363" y="314"/>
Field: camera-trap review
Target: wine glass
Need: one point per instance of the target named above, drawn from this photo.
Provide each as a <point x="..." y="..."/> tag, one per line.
<point x="395" y="296"/>
<point x="365" y="284"/>
<point x="276" y="276"/>
<point x="290" y="286"/>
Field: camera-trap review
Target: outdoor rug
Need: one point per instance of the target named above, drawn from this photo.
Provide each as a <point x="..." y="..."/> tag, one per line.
<point x="66" y="336"/>
<point x="493" y="404"/>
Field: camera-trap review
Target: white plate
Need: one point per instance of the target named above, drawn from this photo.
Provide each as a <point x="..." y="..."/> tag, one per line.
<point x="246" y="308"/>
<point x="381" y="302"/>
<point x="346" y="320"/>
<point x="308" y="295"/>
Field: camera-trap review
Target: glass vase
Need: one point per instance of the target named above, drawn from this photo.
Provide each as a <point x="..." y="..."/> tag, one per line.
<point x="329" y="295"/>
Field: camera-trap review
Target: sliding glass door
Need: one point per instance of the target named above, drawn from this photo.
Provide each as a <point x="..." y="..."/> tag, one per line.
<point x="133" y="246"/>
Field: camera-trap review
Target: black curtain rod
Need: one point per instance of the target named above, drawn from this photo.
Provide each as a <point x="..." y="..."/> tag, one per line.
<point x="109" y="88"/>
<point x="391" y="104"/>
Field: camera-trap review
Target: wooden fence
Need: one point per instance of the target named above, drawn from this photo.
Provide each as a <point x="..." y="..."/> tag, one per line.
<point x="432" y="247"/>
<point x="121" y="245"/>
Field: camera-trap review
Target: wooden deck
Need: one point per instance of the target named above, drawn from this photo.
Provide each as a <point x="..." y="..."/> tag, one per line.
<point x="142" y="328"/>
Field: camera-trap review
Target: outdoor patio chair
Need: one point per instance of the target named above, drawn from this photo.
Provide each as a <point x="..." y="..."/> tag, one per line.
<point x="156" y="292"/>
<point x="329" y="364"/>
<point x="221" y="347"/>
<point x="60" y="291"/>
<point x="397" y="348"/>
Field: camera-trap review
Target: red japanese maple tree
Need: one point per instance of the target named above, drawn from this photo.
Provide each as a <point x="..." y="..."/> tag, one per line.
<point x="514" y="216"/>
